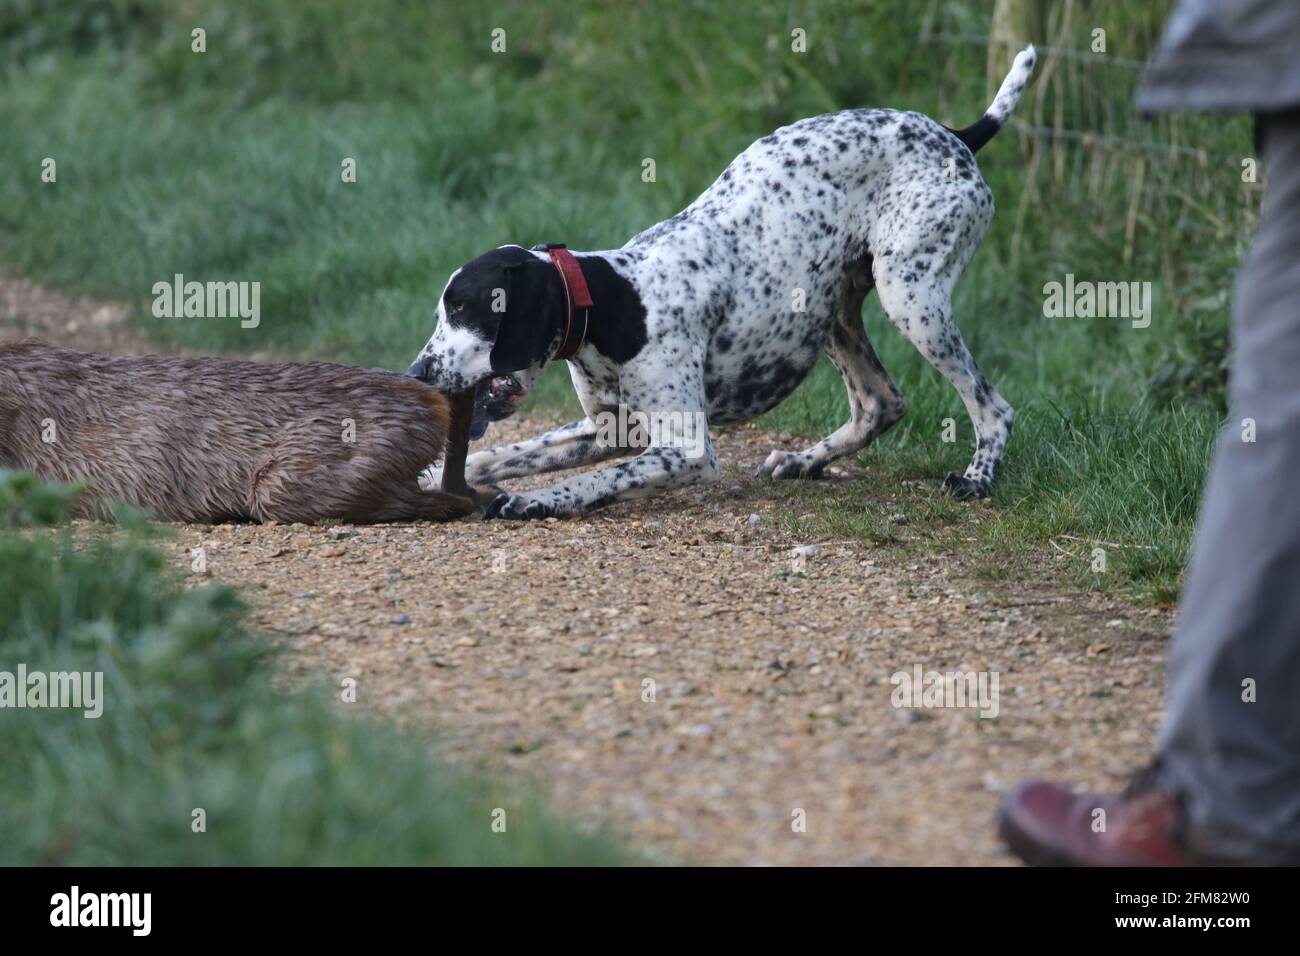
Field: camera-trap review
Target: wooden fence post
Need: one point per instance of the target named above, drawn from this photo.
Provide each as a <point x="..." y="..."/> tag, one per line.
<point x="1015" y="22"/>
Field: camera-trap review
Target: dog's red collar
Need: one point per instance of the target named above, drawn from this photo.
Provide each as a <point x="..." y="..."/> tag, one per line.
<point x="576" y="296"/>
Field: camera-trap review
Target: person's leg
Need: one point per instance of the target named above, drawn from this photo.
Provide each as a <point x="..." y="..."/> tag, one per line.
<point x="1230" y="744"/>
<point x="1226" y="786"/>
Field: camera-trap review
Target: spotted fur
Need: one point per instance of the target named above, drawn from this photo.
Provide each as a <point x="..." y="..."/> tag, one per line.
<point x="724" y="308"/>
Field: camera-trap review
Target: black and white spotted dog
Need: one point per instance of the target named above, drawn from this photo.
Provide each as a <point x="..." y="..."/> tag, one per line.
<point x="718" y="313"/>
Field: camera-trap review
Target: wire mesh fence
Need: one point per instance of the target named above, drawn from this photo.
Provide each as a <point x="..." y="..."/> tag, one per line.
<point x="1080" y="132"/>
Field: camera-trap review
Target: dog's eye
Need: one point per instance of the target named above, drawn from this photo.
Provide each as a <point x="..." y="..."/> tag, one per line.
<point x="455" y="306"/>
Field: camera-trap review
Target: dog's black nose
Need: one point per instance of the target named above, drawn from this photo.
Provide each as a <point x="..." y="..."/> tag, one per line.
<point x="419" y="368"/>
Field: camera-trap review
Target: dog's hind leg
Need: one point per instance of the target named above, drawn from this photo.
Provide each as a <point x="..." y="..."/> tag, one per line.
<point x="875" y="403"/>
<point x="921" y="308"/>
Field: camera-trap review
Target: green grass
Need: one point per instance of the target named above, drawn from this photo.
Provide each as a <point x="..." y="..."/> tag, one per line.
<point x="1126" y="481"/>
<point x="191" y="721"/>
<point x="225" y="165"/>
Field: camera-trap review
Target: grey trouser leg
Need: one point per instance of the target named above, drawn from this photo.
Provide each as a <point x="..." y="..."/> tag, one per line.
<point x="1237" y="763"/>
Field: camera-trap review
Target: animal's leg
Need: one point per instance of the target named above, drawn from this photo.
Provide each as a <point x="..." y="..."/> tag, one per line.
<point x="406" y="502"/>
<point x="669" y="406"/>
<point x="520" y="458"/>
<point x="875" y="403"/>
<point x="576" y="453"/>
<point x="921" y="307"/>
<point x="658" y="468"/>
<point x="294" y="488"/>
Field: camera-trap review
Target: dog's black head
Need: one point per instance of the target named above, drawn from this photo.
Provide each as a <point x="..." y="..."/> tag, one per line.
<point x="500" y="313"/>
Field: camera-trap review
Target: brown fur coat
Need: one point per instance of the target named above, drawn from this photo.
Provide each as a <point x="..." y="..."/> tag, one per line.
<point x="212" y="439"/>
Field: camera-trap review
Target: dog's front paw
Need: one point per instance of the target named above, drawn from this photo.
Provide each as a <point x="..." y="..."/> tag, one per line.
<point x="962" y="488"/>
<point x="782" y="464"/>
<point x="517" y="508"/>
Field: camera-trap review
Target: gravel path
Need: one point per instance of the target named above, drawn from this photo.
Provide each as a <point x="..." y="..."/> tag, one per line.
<point x="673" y="669"/>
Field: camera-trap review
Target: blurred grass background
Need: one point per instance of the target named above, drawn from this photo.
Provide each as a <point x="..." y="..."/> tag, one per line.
<point x="226" y="165"/>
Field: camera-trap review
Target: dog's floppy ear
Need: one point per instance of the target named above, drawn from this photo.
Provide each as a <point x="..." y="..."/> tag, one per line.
<point x="533" y="321"/>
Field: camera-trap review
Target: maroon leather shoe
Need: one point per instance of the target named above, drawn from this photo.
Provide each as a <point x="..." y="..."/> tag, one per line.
<point x="1048" y="825"/>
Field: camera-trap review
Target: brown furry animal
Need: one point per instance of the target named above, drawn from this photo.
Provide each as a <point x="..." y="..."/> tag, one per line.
<point x="212" y="439"/>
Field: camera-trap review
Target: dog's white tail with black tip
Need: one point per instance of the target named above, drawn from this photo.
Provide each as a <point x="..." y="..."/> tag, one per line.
<point x="986" y="127"/>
